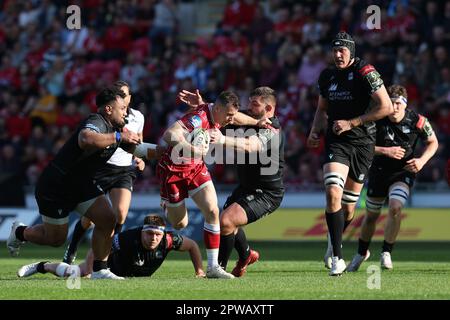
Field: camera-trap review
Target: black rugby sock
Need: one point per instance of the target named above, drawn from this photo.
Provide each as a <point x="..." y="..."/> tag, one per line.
<point x="40" y="267"/>
<point x="241" y="245"/>
<point x="387" y="247"/>
<point x="99" y="265"/>
<point x="363" y="246"/>
<point x="118" y="228"/>
<point x="19" y="233"/>
<point x="226" y="246"/>
<point x="346" y="224"/>
<point x="77" y="235"/>
<point x="335" y="223"/>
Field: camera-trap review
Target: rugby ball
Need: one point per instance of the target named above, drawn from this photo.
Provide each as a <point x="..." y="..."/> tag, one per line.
<point x="199" y="137"/>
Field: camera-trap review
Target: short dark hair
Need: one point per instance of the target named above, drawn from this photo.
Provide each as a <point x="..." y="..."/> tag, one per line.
<point x="266" y="93"/>
<point x="228" y="98"/>
<point x="154" y="220"/>
<point x="396" y="91"/>
<point x="120" y="83"/>
<point x="108" y="95"/>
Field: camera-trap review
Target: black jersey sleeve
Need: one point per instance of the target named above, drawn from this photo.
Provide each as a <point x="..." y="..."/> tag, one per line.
<point x="323" y="83"/>
<point x="174" y="241"/>
<point x="370" y="77"/>
<point x="95" y="123"/>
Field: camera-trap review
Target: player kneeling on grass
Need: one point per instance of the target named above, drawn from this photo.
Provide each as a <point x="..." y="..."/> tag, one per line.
<point x="393" y="172"/>
<point x="137" y="252"/>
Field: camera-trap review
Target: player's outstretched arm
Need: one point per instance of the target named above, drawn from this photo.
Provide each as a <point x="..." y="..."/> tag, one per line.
<point x="391" y="152"/>
<point x="196" y="257"/>
<point x="241" y="119"/>
<point x="319" y="123"/>
<point x="192" y="99"/>
<point x="90" y="139"/>
<point x="243" y="144"/>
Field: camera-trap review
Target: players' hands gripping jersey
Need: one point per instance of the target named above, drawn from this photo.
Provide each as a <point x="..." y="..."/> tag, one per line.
<point x="348" y="93"/>
<point x="75" y="163"/>
<point x="404" y="134"/>
<point x="129" y="258"/>
<point x="267" y="171"/>
<point x="199" y="118"/>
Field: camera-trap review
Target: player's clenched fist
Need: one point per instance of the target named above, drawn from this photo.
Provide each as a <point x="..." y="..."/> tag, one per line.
<point x="313" y="140"/>
<point x="130" y="137"/>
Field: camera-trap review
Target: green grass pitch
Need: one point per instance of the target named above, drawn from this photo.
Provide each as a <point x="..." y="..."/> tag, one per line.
<point x="286" y="270"/>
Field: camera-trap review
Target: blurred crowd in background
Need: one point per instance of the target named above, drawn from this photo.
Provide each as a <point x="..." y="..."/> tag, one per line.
<point x="49" y="75"/>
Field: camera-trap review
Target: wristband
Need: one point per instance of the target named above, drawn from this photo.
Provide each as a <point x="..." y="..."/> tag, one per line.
<point x="118" y="137"/>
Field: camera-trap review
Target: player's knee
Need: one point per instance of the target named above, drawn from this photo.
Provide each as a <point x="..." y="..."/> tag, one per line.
<point x="211" y="212"/>
<point x="395" y="210"/>
<point x="334" y="195"/>
<point x="398" y="196"/>
<point x="226" y="223"/>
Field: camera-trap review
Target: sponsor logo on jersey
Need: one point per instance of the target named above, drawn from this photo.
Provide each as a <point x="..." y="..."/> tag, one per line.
<point x="330" y="155"/>
<point x="196" y="121"/>
<point x="350" y="76"/>
<point x="332" y="87"/>
<point x="361" y="176"/>
<point x="391" y="136"/>
<point x="406" y="129"/>
<point x="140" y="263"/>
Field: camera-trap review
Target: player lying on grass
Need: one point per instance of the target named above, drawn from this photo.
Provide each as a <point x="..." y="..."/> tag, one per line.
<point x="393" y="172"/>
<point x="137" y="252"/>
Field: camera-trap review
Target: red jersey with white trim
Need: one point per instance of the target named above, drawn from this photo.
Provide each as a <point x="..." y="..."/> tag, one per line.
<point x="199" y="118"/>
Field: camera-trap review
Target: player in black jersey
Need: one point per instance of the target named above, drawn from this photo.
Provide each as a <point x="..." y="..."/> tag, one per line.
<point x="137" y="252"/>
<point x="260" y="190"/>
<point x="115" y="178"/>
<point x="67" y="183"/>
<point x="393" y="171"/>
<point x="352" y="96"/>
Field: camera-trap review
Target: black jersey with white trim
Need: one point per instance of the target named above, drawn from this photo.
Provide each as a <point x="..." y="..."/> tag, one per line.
<point x="129" y="258"/>
<point x="75" y="163"/>
<point x="404" y="134"/>
<point x="348" y="93"/>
